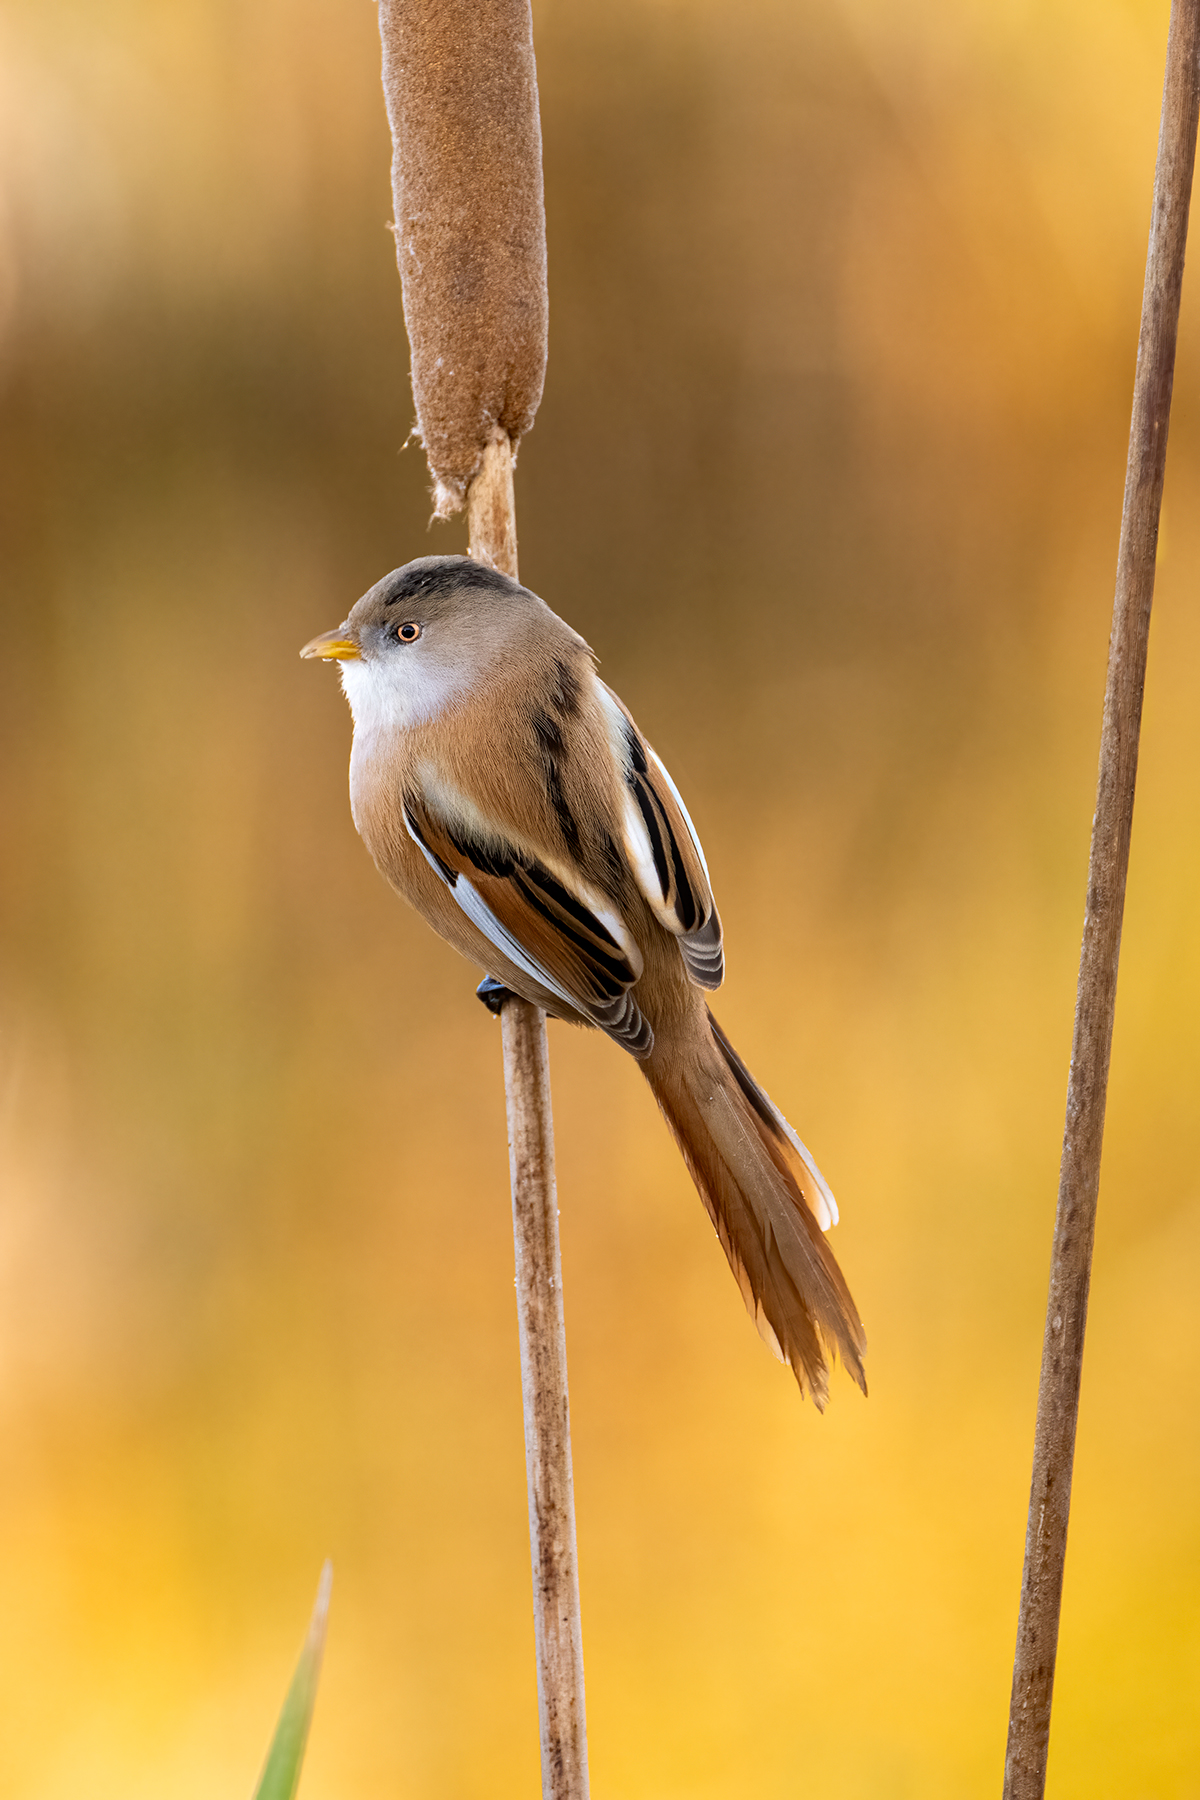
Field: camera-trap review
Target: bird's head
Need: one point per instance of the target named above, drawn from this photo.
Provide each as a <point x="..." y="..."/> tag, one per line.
<point x="423" y="636"/>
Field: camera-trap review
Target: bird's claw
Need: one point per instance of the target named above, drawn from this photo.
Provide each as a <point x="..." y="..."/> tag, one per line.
<point x="493" y="993"/>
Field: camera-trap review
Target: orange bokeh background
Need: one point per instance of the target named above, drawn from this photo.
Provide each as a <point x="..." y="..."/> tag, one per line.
<point x="844" y="304"/>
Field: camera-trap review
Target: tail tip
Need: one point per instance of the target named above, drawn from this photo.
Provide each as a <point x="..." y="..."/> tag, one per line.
<point x="813" y="1378"/>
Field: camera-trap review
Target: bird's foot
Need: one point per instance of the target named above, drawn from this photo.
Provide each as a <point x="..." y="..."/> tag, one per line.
<point x="493" y="993"/>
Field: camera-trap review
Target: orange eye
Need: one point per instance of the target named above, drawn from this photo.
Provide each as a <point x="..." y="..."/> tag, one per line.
<point x="409" y="633"/>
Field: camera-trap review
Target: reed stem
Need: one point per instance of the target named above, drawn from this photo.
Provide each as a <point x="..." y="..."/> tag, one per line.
<point x="1083" y="1136"/>
<point x="491" y="522"/>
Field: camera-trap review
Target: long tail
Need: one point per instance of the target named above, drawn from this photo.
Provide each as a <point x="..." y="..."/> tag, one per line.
<point x="766" y="1198"/>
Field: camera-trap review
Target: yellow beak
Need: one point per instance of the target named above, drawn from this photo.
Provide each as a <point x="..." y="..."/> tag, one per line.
<point x="334" y="646"/>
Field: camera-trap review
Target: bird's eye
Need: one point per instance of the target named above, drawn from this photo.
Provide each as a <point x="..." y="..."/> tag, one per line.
<point x="408" y="633"/>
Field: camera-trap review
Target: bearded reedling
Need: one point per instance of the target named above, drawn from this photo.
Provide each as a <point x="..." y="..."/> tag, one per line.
<point x="507" y="794"/>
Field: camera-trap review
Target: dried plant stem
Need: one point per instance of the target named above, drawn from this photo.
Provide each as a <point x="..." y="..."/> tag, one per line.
<point x="491" y="509"/>
<point x="1079" y="1179"/>
<point x="491" y="521"/>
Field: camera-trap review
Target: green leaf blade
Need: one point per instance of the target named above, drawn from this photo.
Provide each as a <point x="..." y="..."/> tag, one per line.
<point x="281" y="1771"/>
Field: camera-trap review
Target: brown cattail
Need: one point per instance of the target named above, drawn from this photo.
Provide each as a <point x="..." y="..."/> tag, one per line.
<point x="462" y="101"/>
<point x="461" y="89"/>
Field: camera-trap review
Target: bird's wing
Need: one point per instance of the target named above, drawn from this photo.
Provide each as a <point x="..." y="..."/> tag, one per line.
<point x="546" y="921"/>
<point x="664" y="851"/>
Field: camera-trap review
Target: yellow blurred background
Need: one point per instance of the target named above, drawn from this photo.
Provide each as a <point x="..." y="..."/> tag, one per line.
<point x="844" y="302"/>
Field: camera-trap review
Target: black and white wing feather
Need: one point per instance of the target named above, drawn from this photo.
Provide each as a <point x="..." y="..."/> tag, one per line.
<point x="664" y="850"/>
<point x="565" y="937"/>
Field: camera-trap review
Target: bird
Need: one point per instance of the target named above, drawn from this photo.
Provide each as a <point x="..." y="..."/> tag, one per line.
<point x="504" y="790"/>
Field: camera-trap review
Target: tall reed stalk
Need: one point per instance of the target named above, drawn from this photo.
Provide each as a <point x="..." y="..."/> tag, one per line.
<point x="1087" y="1088"/>
<point x="461" y="88"/>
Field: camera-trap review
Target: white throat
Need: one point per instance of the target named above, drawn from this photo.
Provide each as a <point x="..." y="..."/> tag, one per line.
<point x="393" y="693"/>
